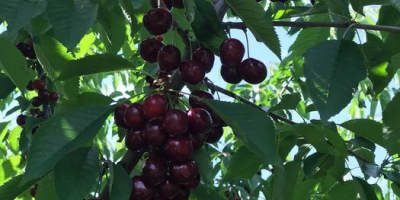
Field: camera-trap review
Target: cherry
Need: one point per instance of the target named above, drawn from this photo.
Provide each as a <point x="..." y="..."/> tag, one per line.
<point x="183" y="194"/>
<point x="231" y="52"/>
<point x="160" y="198"/>
<point x="217" y="120"/>
<point x="154" y="171"/>
<point x="253" y="71"/>
<point x="33" y="190"/>
<point x="204" y="56"/>
<point x="154" y="134"/>
<point x="169" y="58"/>
<point x="175" y="122"/>
<point x="177" y="4"/>
<point x="119" y="115"/>
<point x="21" y="120"/>
<point x="38" y="84"/>
<point x="168" y="189"/>
<point x="154" y="106"/>
<point x="134" y="116"/>
<point x="197" y="103"/>
<point x="215" y="134"/>
<point x="36" y="102"/>
<point x="44" y="95"/>
<point x="192" y="72"/>
<point x="200" y="120"/>
<point x="193" y="183"/>
<point x="179" y="149"/>
<point x="34" y="111"/>
<point x="54" y="96"/>
<point x="157" y="21"/>
<point x="159" y="38"/>
<point x="140" y="191"/>
<point x="183" y="172"/>
<point x="167" y="3"/>
<point x="29" y="87"/>
<point x="149" y="49"/>
<point x="237" y="198"/>
<point x="231" y="74"/>
<point x="134" y="141"/>
<point x="198" y="139"/>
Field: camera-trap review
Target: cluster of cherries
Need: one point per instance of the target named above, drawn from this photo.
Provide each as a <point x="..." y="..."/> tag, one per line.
<point x="171" y="136"/>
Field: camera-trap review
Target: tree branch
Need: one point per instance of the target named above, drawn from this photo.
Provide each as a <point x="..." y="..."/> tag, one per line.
<point x="391" y="29"/>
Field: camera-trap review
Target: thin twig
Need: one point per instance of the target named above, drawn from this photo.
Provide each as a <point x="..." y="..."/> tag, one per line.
<point x="391" y="29"/>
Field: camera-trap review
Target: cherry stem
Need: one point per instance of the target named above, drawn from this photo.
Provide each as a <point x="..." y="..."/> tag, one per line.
<point x="247" y="42"/>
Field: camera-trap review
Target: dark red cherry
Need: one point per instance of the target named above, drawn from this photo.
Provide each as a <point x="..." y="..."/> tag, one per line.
<point x="175" y="122"/>
<point x="168" y="189"/>
<point x="183" y="194"/>
<point x="54" y="96"/>
<point x="157" y="21"/>
<point x="149" y="49"/>
<point x="169" y="58"/>
<point x="253" y="71"/>
<point x="36" y="102"/>
<point x="154" y="106"/>
<point x="140" y="191"/>
<point x="134" y="116"/>
<point x="217" y="120"/>
<point x="159" y="198"/>
<point x="154" y="171"/>
<point x="231" y="52"/>
<point x="193" y="183"/>
<point x="192" y="72"/>
<point x="183" y="172"/>
<point x="167" y="3"/>
<point x="179" y="149"/>
<point x="196" y="102"/>
<point x="29" y="87"/>
<point x="231" y="74"/>
<point x="177" y="4"/>
<point x="119" y="115"/>
<point x="205" y="57"/>
<point x="154" y="133"/>
<point x="200" y="120"/>
<point x="33" y="190"/>
<point x="198" y="139"/>
<point x="160" y="38"/>
<point x="44" y="95"/>
<point x="134" y="141"/>
<point x="215" y="134"/>
<point x="21" y="120"/>
<point x="38" y="84"/>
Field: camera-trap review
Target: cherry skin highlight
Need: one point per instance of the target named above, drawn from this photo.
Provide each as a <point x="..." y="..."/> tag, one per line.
<point x="179" y="149"/>
<point x="231" y="52"/>
<point x="175" y="122"/>
<point x="253" y="71"/>
<point x="154" y="106"/>
<point x="157" y="21"/>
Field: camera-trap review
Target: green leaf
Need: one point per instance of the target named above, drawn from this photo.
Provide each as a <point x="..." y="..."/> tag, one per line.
<point x="288" y="101"/>
<point x="359" y="4"/>
<point x="368" y="129"/>
<point x="7" y="86"/>
<point x="331" y="84"/>
<point x="120" y="183"/>
<point x="206" y="26"/>
<point x="204" y="163"/>
<point x="392" y="133"/>
<point x="345" y="191"/>
<point x="395" y="4"/>
<point x="136" y="4"/>
<point x="18" y="13"/>
<point x="310" y="37"/>
<point x="243" y="164"/>
<point x="204" y="192"/>
<point x="259" y="23"/>
<point x="317" y="164"/>
<point x="113" y="22"/>
<point x="76" y="173"/>
<point x="46" y="188"/>
<point x="10" y="167"/>
<point x="71" y="19"/>
<point x="61" y="134"/>
<point x="13" y="63"/>
<point x="94" y="64"/>
<point x="313" y="136"/>
<point x="11" y="189"/>
<point x="252" y="126"/>
<point x="365" y="190"/>
<point x="53" y="56"/>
